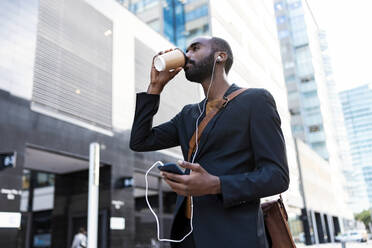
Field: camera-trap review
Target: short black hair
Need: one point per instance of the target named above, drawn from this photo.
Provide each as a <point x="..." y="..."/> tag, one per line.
<point x="219" y="44"/>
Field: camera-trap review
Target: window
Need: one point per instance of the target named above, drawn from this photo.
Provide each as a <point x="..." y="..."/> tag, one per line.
<point x="278" y="6"/>
<point x="303" y="62"/>
<point x="26" y="177"/>
<point x="289" y="65"/>
<point x="197" y="13"/>
<point x="281" y="19"/>
<point x="298" y="23"/>
<point x="154" y="24"/>
<point x="296" y="227"/>
<point x="295" y="5"/>
<point x="314" y="128"/>
<point x="283" y="34"/>
<point x="318" y="145"/>
<point x="310" y="94"/>
<point x="294" y="111"/>
<point x="307" y="79"/>
<point x="44" y="180"/>
<point x="300" y="38"/>
<point x="297" y="128"/>
<point x="193" y="32"/>
<point x="291" y="77"/>
<point x="205" y="28"/>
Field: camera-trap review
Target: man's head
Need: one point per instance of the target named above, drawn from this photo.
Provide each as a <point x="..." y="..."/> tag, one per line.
<point x="82" y="230"/>
<point x="202" y="53"/>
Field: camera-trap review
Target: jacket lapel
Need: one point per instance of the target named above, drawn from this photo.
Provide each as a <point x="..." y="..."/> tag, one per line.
<point x="204" y="137"/>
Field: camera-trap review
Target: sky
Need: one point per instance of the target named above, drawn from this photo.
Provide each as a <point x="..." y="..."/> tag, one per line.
<point x="349" y="30"/>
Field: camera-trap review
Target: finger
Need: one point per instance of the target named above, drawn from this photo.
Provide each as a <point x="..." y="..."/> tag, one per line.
<point x="159" y="53"/>
<point x="177" y="187"/>
<point x="171" y="49"/>
<point x="162" y="52"/>
<point x="175" y="177"/>
<point x="188" y="165"/>
<point x="165" y="51"/>
<point x="175" y="72"/>
<point x="153" y="59"/>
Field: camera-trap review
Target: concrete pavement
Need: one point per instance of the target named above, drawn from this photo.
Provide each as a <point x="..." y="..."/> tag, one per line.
<point x="338" y="245"/>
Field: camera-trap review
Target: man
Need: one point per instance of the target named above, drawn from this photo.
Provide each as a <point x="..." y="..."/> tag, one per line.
<point x="80" y="239"/>
<point x="240" y="159"/>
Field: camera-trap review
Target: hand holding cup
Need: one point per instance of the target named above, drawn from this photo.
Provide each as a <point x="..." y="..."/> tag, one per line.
<point x="165" y="66"/>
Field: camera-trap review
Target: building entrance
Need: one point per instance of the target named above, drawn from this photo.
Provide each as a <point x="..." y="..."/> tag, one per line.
<point x="55" y="197"/>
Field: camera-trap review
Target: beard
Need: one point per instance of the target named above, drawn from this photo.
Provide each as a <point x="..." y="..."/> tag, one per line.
<point x="198" y="72"/>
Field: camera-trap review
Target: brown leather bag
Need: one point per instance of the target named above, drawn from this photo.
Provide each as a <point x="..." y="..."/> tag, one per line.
<point x="275" y="215"/>
<point x="276" y="224"/>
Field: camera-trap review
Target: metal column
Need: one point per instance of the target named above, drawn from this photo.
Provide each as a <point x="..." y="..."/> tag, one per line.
<point x="93" y="195"/>
<point x="315" y="228"/>
<point x="331" y="227"/>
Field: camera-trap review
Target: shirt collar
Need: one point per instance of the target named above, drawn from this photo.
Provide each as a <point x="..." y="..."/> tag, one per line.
<point x="231" y="89"/>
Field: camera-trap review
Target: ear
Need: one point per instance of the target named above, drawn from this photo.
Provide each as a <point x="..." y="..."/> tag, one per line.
<point x="221" y="57"/>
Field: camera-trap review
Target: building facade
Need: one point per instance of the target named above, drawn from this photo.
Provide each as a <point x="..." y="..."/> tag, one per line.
<point x="324" y="223"/>
<point x="357" y="108"/>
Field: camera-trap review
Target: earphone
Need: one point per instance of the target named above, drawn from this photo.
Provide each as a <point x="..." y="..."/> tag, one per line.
<point x="219" y="59"/>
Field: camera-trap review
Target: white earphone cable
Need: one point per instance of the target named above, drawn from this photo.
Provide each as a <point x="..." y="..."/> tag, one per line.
<point x="192" y="161"/>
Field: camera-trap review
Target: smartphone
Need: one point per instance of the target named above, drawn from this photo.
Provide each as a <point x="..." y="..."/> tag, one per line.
<point x="172" y="168"/>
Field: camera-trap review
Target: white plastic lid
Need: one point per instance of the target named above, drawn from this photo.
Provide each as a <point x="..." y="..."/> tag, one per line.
<point x="159" y="63"/>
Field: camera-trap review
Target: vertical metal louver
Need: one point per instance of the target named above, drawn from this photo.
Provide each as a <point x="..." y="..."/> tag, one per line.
<point x="73" y="62"/>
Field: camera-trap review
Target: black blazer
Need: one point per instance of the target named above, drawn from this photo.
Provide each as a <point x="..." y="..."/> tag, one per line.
<point x="243" y="145"/>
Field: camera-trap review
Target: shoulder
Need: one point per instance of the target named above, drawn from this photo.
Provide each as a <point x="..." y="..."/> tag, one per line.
<point x="258" y="96"/>
<point x="192" y="110"/>
<point x="256" y="92"/>
<point x="262" y="104"/>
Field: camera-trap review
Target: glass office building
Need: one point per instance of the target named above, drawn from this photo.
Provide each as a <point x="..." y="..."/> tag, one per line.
<point x="337" y="118"/>
<point x="178" y="20"/>
<point x="307" y="120"/>
<point x="357" y="108"/>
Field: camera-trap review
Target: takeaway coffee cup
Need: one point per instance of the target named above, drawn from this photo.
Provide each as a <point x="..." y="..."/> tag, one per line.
<point x="170" y="60"/>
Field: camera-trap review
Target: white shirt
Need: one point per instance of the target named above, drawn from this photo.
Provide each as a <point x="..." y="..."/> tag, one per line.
<point x="79" y="239"/>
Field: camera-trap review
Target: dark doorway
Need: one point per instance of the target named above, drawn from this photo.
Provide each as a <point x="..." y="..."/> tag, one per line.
<point x="56" y="203"/>
<point x="327" y="228"/>
<point x="336" y="224"/>
<point x="319" y="226"/>
<point x="42" y="229"/>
